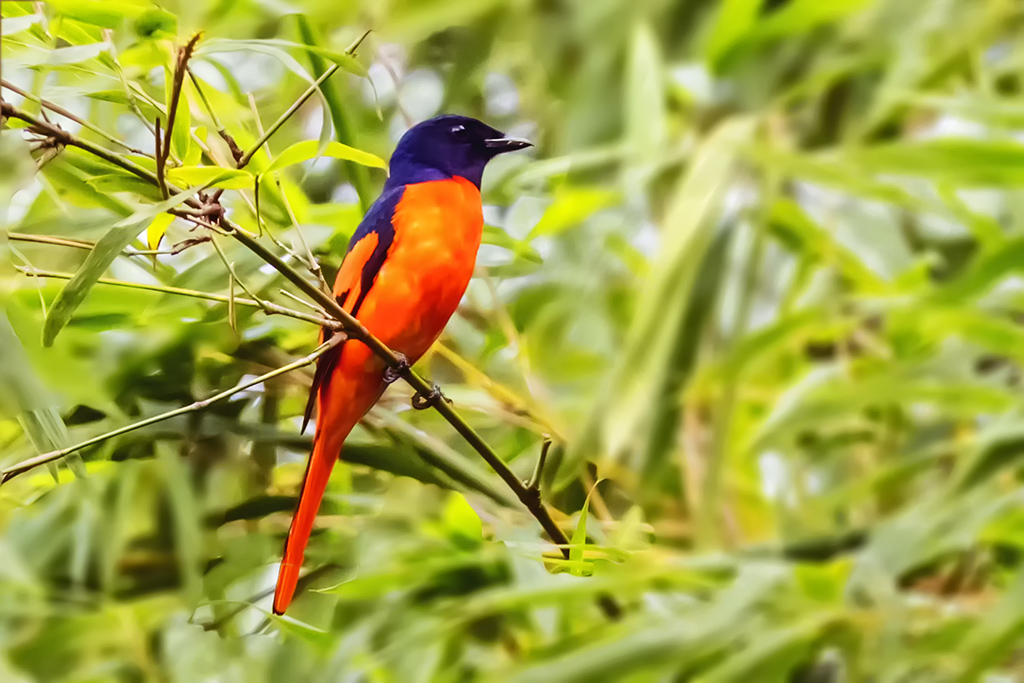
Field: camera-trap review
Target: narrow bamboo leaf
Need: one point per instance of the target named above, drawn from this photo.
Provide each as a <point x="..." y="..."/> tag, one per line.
<point x="103" y="13"/>
<point x="460" y="519"/>
<point x="318" y="638"/>
<point x="118" y="182"/>
<point x="578" y="542"/>
<point x="195" y="152"/>
<point x="310" y="149"/>
<point x="736" y="18"/>
<point x="19" y="24"/>
<point x="644" y="106"/>
<point x="800" y="16"/>
<point x="99" y="259"/>
<point x="157" y="229"/>
<point x="185" y="511"/>
<point x="967" y="162"/>
<point x="569" y="209"/>
<point x="76" y="54"/>
<point x="345" y="61"/>
<point x="211" y="176"/>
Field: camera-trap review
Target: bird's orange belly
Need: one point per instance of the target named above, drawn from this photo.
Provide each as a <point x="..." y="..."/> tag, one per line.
<point x="437" y="235"/>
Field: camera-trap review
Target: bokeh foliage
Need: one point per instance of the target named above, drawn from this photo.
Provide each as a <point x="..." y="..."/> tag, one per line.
<point x="759" y="280"/>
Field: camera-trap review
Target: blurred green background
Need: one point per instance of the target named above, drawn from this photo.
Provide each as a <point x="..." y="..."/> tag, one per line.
<point x="759" y="279"/>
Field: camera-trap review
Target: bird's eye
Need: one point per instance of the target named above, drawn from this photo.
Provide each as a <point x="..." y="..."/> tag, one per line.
<point x="459" y="130"/>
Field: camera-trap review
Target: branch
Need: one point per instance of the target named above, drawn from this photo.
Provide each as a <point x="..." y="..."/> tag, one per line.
<point x="47" y="104"/>
<point x="538" y="472"/>
<point x="14" y="470"/>
<point x="78" y="244"/>
<point x="180" y="68"/>
<point x="236" y="151"/>
<point x="268" y="307"/>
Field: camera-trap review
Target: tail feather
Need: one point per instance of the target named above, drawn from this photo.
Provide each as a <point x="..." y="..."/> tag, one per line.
<point x="318" y="473"/>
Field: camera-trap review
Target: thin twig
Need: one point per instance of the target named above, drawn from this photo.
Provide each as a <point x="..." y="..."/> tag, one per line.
<point x="56" y="108"/>
<point x="301" y="301"/>
<point x="78" y="244"/>
<point x="184" y="54"/>
<point x="236" y="151"/>
<point x="268" y="307"/>
<point x="311" y="263"/>
<point x="283" y="118"/>
<point x="7" y="473"/>
<point x="534" y="483"/>
<point x="234" y="276"/>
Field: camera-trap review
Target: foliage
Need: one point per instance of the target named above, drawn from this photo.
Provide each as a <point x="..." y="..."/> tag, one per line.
<point x="759" y="282"/>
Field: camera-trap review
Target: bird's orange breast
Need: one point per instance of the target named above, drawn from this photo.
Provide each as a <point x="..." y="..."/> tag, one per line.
<point x="437" y="231"/>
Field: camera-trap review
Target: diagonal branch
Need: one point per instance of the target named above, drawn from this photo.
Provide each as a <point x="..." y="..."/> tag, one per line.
<point x="14" y="470"/>
<point x="57" y="109"/>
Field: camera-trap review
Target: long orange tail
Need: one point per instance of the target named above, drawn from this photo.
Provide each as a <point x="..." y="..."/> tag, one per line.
<point x="325" y="453"/>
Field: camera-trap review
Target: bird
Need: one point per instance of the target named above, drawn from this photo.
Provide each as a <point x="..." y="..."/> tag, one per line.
<point x="406" y="269"/>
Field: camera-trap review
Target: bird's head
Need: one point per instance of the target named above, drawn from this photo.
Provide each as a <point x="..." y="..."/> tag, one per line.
<point x="446" y="147"/>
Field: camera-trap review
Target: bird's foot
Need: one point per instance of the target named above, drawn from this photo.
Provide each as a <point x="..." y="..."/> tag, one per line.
<point x="394" y="372"/>
<point x="422" y="402"/>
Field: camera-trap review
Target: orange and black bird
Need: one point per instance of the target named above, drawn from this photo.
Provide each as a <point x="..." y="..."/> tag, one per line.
<point x="407" y="266"/>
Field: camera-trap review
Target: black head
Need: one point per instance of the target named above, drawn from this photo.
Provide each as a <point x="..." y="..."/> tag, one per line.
<point x="448" y="146"/>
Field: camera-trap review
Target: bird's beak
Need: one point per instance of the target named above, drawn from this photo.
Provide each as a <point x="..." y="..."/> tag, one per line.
<point x="502" y="145"/>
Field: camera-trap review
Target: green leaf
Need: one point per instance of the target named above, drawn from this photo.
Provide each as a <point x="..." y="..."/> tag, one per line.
<point x="211" y="176"/>
<point x="644" y="103"/>
<point x="157" y="228"/>
<point x="123" y="182"/>
<point x="310" y="149"/>
<point x="736" y="19"/>
<point x="578" y="542"/>
<point x="571" y="206"/>
<point x="103" y="13"/>
<point x="185" y="512"/>
<point x="966" y="162"/>
<point x="800" y="16"/>
<point x="19" y="24"/>
<point x="76" y="54"/>
<point x="155" y="24"/>
<point x="460" y="519"/>
<point x="277" y="46"/>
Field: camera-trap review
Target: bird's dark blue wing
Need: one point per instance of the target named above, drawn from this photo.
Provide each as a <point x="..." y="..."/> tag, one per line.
<point x="367" y="251"/>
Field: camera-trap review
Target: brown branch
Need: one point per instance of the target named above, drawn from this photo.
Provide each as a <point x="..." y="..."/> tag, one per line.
<point x="56" y="108"/>
<point x="180" y="68"/>
<point x="161" y="159"/>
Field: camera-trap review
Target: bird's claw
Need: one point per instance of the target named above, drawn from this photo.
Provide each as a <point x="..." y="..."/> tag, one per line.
<point x="422" y="402"/>
<point x="393" y="373"/>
